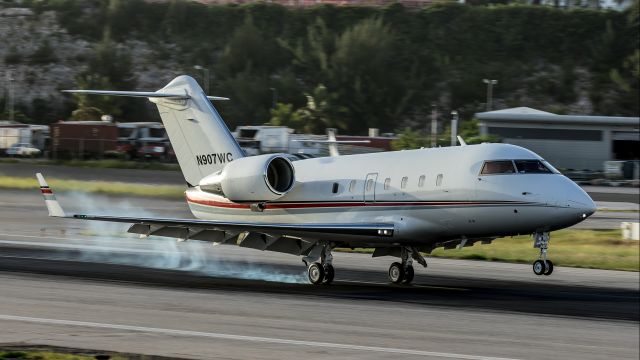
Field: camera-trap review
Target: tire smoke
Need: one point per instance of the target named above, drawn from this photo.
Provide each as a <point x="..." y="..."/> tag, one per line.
<point x="114" y="245"/>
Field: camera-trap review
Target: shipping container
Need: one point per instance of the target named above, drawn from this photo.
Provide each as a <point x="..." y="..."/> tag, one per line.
<point x="83" y="139"/>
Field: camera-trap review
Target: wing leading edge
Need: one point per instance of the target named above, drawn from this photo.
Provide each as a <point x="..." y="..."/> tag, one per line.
<point x="314" y="229"/>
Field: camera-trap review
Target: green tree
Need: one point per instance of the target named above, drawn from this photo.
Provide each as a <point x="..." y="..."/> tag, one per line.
<point x="408" y="140"/>
<point x="284" y="115"/>
<point x="86" y="114"/>
<point x="108" y="68"/>
<point x="13" y="56"/>
<point x="44" y="54"/>
<point x="320" y="113"/>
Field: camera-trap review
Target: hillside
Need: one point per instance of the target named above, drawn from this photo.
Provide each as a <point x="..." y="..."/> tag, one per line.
<point x="359" y="67"/>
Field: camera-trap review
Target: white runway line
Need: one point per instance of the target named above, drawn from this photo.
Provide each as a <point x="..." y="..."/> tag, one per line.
<point x="245" y="338"/>
<point x="79" y="247"/>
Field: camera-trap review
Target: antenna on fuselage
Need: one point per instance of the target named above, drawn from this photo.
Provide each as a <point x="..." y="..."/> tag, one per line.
<point x="461" y="141"/>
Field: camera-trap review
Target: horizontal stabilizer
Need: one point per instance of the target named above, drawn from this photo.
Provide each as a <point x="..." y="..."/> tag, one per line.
<point x="147" y="94"/>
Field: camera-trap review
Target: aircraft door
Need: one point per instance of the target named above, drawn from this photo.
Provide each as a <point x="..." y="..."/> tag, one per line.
<point x="370" y="187"/>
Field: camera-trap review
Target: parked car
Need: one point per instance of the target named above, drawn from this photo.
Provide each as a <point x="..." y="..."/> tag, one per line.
<point x="23" y="150"/>
<point x="153" y="150"/>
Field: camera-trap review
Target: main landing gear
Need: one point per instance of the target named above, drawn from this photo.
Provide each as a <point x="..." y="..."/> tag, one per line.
<point x="320" y="272"/>
<point x="542" y="266"/>
<point x="403" y="273"/>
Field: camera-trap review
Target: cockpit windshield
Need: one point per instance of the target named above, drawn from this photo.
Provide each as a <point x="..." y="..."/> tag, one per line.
<point x="498" y="167"/>
<point x="531" y="167"/>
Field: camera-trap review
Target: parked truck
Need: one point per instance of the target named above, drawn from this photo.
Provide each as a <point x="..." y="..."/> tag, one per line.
<point x="142" y="140"/>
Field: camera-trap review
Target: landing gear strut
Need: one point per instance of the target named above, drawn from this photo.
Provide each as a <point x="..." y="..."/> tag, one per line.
<point x="542" y="266"/>
<point x="403" y="273"/>
<point x="320" y="272"/>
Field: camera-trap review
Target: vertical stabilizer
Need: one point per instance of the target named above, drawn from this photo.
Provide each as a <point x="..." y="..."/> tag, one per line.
<point x="201" y="140"/>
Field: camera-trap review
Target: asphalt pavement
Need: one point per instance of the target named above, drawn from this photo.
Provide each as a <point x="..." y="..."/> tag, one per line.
<point x="78" y="284"/>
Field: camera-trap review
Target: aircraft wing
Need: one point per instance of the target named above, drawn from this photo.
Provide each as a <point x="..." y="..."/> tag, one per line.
<point x="293" y="238"/>
<point x="314" y="229"/>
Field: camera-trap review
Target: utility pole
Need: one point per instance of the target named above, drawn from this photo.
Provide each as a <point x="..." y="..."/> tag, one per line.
<point x="11" y="100"/>
<point x="205" y="81"/>
<point x="274" y="97"/>
<point x="434" y="125"/>
<point x="454" y="127"/>
<point x="490" y="84"/>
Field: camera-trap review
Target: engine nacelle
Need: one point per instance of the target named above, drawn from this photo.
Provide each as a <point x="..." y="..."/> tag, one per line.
<point x="256" y="178"/>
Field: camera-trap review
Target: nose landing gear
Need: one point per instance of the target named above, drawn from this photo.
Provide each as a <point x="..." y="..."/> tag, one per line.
<point x="542" y="266"/>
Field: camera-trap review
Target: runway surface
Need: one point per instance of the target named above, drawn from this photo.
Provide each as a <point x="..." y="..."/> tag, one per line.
<point x="62" y="285"/>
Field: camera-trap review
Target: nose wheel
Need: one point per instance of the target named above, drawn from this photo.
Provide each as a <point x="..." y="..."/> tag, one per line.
<point x="542" y="266"/>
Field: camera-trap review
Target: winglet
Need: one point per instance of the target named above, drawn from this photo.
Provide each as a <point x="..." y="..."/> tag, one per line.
<point x="461" y="141"/>
<point x="49" y="198"/>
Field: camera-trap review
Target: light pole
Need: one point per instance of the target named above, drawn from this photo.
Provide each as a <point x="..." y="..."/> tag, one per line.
<point x="490" y="84"/>
<point x="454" y="127"/>
<point x="10" y="103"/>
<point x="274" y="97"/>
<point x="434" y="125"/>
<point x="206" y="77"/>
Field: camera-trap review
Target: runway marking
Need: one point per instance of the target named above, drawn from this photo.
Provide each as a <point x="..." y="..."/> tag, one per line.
<point x="246" y="338"/>
<point x="80" y="246"/>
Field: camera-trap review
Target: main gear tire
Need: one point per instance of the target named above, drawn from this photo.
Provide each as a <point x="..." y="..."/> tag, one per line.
<point x="396" y="273"/>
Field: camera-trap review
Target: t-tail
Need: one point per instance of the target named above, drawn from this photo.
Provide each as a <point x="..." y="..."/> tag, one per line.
<point x="201" y="140"/>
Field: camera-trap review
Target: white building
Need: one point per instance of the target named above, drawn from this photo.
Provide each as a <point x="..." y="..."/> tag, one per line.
<point x="567" y="141"/>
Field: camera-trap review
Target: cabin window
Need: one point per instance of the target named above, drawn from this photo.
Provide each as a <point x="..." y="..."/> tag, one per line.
<point x="497" y="167"/>
<point x="387" y="182"/>
<point x="421" y="181"/>
<point x="334" y="189"/>
<point x="439" y="180"/>
<point x="532" y="167"/>
<point x="352" y="185"/>
<point x="403" y="183"/>
<point x="369" y="184"/>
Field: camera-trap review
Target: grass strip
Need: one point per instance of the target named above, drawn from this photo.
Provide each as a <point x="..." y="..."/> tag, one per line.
<point x="99" y="164"/>
<point x="594" y="249"/>
<point x="100" y="187"/>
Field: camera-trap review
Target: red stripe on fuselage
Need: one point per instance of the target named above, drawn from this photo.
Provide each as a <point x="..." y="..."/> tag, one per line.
<point x="46" y="191"/>
<point x="308" y="205"/>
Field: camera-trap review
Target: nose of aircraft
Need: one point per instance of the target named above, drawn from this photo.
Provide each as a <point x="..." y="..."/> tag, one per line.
<point x="582" y="202"/>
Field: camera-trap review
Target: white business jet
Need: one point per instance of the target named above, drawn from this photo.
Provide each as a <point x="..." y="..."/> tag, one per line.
<point x="402" y="203"/>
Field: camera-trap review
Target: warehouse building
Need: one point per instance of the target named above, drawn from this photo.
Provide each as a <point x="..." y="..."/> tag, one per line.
<point x="567" y="141"/>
